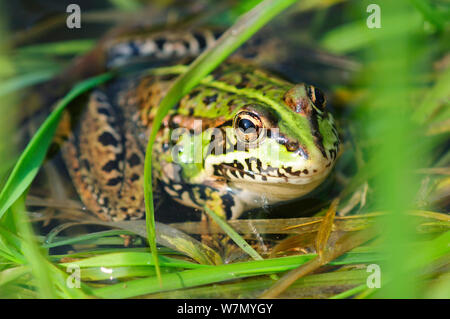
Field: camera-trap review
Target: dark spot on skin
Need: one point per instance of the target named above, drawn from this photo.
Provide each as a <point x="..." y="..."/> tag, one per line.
<point x="134" y="48"/>
<point x="124" y="209"/>
<point x="228" y="203"/>
<point x="193" y="94"/>
<point x="318" y="139"/>
<point x="238" y="165"/>
<point x="251" y="54"/>
<point x="111" y="165"/>
<point x="132" y="198"/>
<point x="333" y="154"/>
<point x="233" y="172"/>
<point x="100" y="98"/>
<point x="167" y="77"/>
<point x="243" y="83"/>
<point x="210" y="99"/>
<point x="86" y="164"/>
<point x="134" y="160"/>
<point x="305" y="171"/>
<point x="217" y="34"/>
<point x="315" y="171"/>
<point x="114" y="181"/>
<point x="160" y="43"/>
<point x="107" y="138"/>
<point x="200" y="40"/>
<point x="104" y="111"/>
<point x="172" y="123"/>
<point x="134" y="177"/>
<point x="290" y="172"/>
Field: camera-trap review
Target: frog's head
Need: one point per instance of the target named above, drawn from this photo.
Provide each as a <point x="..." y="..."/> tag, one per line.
<point x="285" y="143"/>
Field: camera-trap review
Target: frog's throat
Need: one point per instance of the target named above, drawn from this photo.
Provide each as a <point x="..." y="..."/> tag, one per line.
<point x="271" y="193"/>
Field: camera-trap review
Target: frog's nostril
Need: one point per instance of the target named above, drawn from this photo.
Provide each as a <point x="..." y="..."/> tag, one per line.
<point x="292" y="146"/>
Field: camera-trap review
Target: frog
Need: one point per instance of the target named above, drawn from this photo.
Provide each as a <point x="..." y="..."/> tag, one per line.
<point x="242" y="138"/>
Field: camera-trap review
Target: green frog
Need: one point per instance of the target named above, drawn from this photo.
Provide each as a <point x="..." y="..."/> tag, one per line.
<point x="241" y="139"/>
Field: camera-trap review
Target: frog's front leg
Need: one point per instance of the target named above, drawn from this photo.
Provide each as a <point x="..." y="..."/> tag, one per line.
<point x="219" y="199"/>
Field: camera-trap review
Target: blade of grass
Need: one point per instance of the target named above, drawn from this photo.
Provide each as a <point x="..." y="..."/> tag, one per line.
<point x="242" y="30"/>
<point x="79" y="239"/>
<point x="346" y="243"/>
<point x="132" y="259"/>
<point x="59" y="48"/>
<point x="31" y="251"/>
<point x="435" y="98"/>
<point x="32" y="157"/>
<point x="25" y="80"/>
<point x="166" y="236"/>
<point x="251" y="287"/>
<point x="350" y="292"/>
<point x="214" y="274"/>
<point x="197" y="277"/>
<point x="429" y="13"/>
<point x="233" y="234"/>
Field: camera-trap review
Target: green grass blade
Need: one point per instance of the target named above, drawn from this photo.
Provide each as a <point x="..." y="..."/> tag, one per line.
<point x="132" y="259"/>
<point x="241" y="31"/>
<point x="30" y="250"/>
<point x="25" y="80"/>
<point x="32" y="157"/>
<point x="438" y="96"/>
<point x="214" y="274"/>
<point x="429" y="13"/>
<point x="233" y="235"/>
<point x="197" y="277"/>
<point x="350" y="292"/>
<point x="83" y="238"/>
<point x="59" y="48"/>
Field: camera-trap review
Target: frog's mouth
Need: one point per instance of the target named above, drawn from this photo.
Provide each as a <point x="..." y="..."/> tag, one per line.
<point x="271" y="175"/>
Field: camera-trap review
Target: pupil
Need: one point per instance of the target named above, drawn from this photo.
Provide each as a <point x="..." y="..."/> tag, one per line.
<point x="246" y="124"/>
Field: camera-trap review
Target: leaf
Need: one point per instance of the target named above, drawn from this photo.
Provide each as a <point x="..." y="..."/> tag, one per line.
<point x="233" y="235"/>
<point x="32" y="157"/>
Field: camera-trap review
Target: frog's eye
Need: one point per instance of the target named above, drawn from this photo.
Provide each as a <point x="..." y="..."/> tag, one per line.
<point x="316" y="96"/>
<point x="248" y="126"/>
